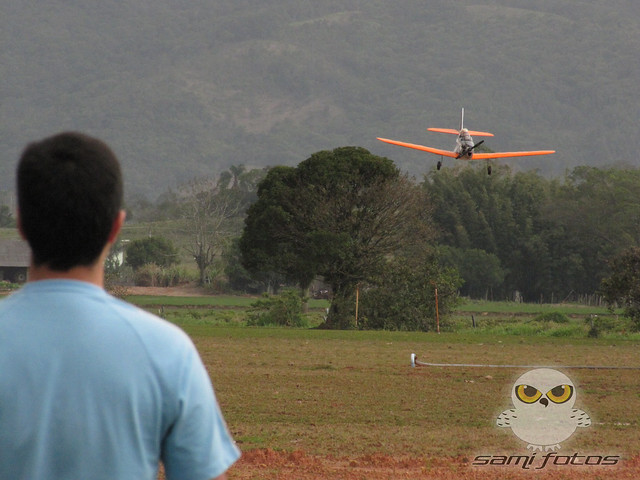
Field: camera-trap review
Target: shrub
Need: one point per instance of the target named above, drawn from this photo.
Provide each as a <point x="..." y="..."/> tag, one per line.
<point x="568" y="331"/>
<point x="157" y="250"/>
<point x="405" y="297"/>
<point x="555" y="317"/>
<point x="7" y="286"/>
<point x="151" y="275"/>
<point x="147" y="275"/>
<point x="280" y="310"/>
<point x="623" y="286"/>
<point x="600" y="325"/>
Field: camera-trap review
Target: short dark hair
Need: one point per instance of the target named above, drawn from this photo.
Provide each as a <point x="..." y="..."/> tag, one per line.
<point x="69" y="195"/>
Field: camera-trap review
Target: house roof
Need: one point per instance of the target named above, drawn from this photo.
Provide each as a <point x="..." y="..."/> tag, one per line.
<point x="14" y="253"/>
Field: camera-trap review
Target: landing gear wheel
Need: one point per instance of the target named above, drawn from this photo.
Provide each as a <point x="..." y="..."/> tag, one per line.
<point x="489" y="170"/>
<point x="439" y="165"/>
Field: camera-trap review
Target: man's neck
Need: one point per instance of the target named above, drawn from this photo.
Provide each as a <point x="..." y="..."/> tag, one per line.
<point x="92" y="274"/>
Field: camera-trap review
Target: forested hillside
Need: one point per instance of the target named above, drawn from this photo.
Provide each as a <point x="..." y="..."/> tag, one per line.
<point x="188" y="88"/>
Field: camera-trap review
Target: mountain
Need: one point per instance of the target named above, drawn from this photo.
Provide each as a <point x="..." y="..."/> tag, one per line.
<point x="184" y="88"/>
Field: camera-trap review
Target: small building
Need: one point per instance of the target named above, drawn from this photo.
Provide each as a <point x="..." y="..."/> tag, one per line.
<point x="15" y="257"/>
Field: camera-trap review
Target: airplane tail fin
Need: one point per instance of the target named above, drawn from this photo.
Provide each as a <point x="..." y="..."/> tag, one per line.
<point x="462" y="119"/>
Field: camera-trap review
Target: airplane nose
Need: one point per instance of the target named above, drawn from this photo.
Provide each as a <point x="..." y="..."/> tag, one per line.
<point x="544" y="401"/>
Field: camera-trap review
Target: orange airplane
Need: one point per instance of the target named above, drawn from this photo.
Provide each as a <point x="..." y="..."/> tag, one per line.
<point x="464" y="146"/>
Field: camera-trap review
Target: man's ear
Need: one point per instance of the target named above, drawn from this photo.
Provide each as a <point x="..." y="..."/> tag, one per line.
<point x="117" y="226"/>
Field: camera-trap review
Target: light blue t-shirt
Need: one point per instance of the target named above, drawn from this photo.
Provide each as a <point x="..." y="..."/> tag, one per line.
<point x="94" y="388"/>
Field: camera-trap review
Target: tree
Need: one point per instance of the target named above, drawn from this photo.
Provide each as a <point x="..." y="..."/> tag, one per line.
<point x="207" y="213"/>
<point x="598" y="211"/>
<point x="212" y="211"/>
<point x="241" y="280"/>
<point x="340" y="214"/>
<point x="157" y="250"/>
<point x="501" y="215"/>
<point x="622" y="287"/>
<point x="481" y="271"/>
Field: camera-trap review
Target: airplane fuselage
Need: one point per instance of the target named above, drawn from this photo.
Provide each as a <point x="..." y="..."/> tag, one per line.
<point x="464" y="145"/>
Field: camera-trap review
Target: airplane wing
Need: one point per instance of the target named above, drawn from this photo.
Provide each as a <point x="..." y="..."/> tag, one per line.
<point x="436" y="151"/>
<point x="476" y="133"/>
<point x="488" y="156"/>
<point x="453" y="131"/>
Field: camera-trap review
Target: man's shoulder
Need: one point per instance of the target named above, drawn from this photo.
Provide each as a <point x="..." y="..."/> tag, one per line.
<point x="148" y="326"/>
<point x="75" y="303"/>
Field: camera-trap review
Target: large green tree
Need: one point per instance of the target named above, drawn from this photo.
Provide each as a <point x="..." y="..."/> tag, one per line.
<point x="339" y="215"/>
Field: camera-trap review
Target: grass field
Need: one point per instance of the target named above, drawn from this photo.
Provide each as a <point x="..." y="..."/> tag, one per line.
<point x="310" y="403"/>
<point x="307" y="403"/>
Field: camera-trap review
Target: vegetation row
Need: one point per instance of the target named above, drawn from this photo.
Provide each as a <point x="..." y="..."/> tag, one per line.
<point x="389" y="251"/>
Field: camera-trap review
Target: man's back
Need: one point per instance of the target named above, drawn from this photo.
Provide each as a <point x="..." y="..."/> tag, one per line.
<point x="91" y="387"/>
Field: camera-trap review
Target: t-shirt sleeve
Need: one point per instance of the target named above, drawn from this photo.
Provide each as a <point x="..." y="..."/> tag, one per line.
<point x="198" y="445"/>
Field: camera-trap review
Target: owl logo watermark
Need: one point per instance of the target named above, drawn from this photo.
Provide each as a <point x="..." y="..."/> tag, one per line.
<point x="543" y="415"/>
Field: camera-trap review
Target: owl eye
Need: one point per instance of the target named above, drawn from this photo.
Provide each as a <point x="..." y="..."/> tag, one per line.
<point x="560" y="394"/>
<point x="527" y="393"/>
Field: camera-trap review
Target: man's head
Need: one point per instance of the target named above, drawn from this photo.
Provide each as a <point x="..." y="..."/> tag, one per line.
<point x="69" y="196"/>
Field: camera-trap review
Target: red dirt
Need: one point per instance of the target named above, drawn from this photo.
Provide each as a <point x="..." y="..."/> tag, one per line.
<point x="297" y="465"/>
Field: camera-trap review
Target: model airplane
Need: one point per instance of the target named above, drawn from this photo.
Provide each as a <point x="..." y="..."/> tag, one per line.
<point x="465" y="147"/>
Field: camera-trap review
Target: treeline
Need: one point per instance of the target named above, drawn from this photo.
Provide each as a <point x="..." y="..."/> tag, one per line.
<point x="511" y="235"/>
<point x="522" y="235"/>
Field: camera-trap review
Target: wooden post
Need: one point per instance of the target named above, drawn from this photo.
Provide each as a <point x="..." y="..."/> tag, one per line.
<point x="357" y="301"/>
<point x="437" y="313"/>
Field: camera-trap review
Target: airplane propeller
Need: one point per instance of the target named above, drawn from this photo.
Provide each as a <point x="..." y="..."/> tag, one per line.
<point x="469" y="150"/>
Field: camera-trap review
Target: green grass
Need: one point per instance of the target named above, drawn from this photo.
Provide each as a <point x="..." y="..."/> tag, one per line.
<point x="520" y="324"/>
<point x="216" y="301"/>
<point x="479" y="306"/>
<point x="470" y="307"/>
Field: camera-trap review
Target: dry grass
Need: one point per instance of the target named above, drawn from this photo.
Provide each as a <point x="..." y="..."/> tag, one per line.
<point x="352" y="395"/>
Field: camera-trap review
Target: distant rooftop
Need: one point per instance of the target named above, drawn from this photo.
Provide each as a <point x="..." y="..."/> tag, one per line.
<point x="14" y="253"/>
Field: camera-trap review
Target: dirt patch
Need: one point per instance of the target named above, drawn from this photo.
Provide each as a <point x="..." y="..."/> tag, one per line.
<point x="179" y="291"/>
<point x="298" y="465"/>
<point x="267" y="463"/>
